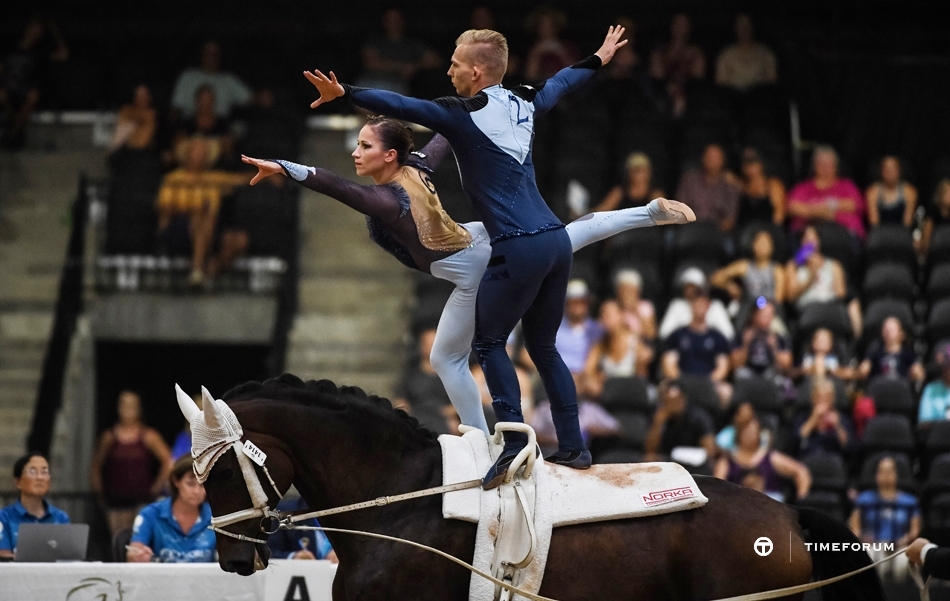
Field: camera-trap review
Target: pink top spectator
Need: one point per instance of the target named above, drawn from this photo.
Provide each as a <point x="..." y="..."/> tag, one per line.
<point x="807" y="193"/>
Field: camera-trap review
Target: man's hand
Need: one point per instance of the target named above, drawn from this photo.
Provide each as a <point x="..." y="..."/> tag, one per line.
<point x="264" y="168"/>
<point x="611" y="43"/>
<point x="913" y="551"/>
<point x="328" y="87"/>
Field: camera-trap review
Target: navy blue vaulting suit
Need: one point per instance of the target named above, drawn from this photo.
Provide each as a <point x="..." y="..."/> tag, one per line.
<point x="491" y="134"/>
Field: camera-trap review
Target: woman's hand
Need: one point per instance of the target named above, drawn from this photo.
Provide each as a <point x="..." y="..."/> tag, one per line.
<point x="264" y="168"/>
<point x="329" y="88"/>
<point x="138" y="553"/>
<point x="611" y="43"/>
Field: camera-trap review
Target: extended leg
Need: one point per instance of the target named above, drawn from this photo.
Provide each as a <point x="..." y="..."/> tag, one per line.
<point x="599" y="226"/>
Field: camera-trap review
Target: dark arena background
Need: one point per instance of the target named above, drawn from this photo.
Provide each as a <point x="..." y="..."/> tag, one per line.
<point x="826" y="126"/>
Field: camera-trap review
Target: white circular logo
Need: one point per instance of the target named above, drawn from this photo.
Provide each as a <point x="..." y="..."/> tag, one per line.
<point x="763" y="546"/>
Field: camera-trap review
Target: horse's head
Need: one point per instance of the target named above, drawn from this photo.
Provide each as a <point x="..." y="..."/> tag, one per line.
<point x="244" y="479"/>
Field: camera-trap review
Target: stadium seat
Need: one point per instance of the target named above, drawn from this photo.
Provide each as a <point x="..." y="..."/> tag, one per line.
<point x="626" y="395"/>
<point x="633" y="430"/>
<point x="760" y="392"/>
<point x="881" y="309"/>
<point x="938" y="476"/>
<point x="905" y="476"/>
<point x="832" y="315"/>
<point x="828" y="472"/>
<point x="779" y="242"/>
<point x="939" y="250"/>
<point x="937" y="515"/>
<point x="120" y="543"/>
<point x="938" y="439"/>
<point x="825" y="501"/>
<point x="893" y="243"/>
<point x="701" y="392"/>
<point x="641" y="245"/>
<point x="889" y="280"/>
<point x="938" y="283"/>
<point x="837" y="243"/>
<point x="707" y="103"/>
<point x="892" y="395"/>
<point x="700" y="240"/>
<point x="938" y="324"/>
<point x="891" y="433"/>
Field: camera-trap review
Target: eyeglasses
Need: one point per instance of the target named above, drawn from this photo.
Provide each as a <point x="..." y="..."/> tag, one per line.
<point x="33" y="472"/>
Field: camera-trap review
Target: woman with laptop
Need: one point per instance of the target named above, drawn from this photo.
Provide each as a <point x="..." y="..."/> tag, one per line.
<point x="32" y="478"/>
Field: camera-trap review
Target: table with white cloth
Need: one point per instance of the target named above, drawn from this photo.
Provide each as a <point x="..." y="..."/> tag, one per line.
<point x="283" y="580"/>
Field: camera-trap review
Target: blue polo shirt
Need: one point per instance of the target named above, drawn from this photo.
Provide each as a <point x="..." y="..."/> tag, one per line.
<point x="13" y="515"/>
<point x="156" y="527"/>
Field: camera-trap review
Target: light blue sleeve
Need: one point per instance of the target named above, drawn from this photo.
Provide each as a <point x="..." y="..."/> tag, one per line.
<point x="323" y="545"/>
<point x="931" y="409"/>
<point x="6" y="533"/>
<point x="726" y="438"/>
<point x="144" y="526"/>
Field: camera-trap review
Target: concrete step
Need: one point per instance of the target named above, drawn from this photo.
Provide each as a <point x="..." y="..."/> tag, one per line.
<point x="354" y="357"/>
<point x="17" y="398"/>
<point x="33" y="326"/>
<point x="22" y="353"/>
<point x="331" y="329"/>
<point x="352" y="294"/>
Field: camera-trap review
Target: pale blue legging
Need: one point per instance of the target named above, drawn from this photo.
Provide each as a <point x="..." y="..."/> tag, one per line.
<point x="453" y="338"/>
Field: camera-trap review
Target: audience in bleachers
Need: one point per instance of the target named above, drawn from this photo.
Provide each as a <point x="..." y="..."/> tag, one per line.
<point x="761" y="195"/>
<point x="392" y="60"/>
<point x="748" y="280"/>
<point x="711" y="191"/>
<point x="761" y="351"/>
<point x="639" y="313"/>
<point x="620" y="353"/>
<point x="892" y="356"/>
<point x="937" y="214"/>
<point x="890" y="199"/>
<point x="742" y="414"/>
<point x="679" y="312"/>
<point x="550" y="51"/>
<point x="578" y="332"/>
<point x="822" y="428"/>
<point x="679" y="428"/>
<point x="746" y="63"/>
<point x="31" y="476"/>
<point x="229" y="91"/>
<point x="637" y="188"/>
<point x="935" y="400"/>
<point x="756" y="465"/>
<point x="699" y="350"/>
<point x="676" y="62"/>
<point x="826" y="197"/>
<point x="136" y="122"/>
<point x="822" y="360"/>
<point x="207" y="124"/>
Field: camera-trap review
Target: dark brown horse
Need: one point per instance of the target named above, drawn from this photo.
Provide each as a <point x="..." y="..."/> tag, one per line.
<point x="340" y="446"/>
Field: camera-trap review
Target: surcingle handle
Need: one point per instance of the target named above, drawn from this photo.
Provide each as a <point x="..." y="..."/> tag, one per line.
<point x="527" y="455"/>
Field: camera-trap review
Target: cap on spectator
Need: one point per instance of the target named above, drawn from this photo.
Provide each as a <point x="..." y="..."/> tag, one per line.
<point x="694" y="276"/>
<point x="629" y="277"/>
<point x="577" y="289"/>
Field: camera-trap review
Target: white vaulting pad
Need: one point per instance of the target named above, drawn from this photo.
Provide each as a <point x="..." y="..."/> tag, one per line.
<point x="564" y="496"/>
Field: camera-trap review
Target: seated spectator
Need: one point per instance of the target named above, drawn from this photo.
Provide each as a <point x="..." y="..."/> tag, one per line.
<point x="136" y="123"/>
<point x="891" y="200"/>
<point x="31" y="476"/>
<point x="746" y="63"/>
<point x="755" y="465"/>
<point x="699" y="350"/>
<point x="811" y="277"/>
<point x="886" y="515"/>
<point x="935" y="401"/>
<point x="679" y="314"/>
<point x="821" y="361"/>
<point x="636" y="189"/>
<point x="392" y="60"/>
<point x="638" y="312"/>
<point x="189" y="201"/>
<point x="620" y="353"/>
<point x="710" y="191"/>
<point x="826" y="197"/>
<point x="823" y="429"/>
<point x="176" y="528"/>
<point x="676" y="423"/>
<point x="578" y="332"/>
<point x="760" y="276"/>
<point x="676" y="62"/>
<point x="420" y="391"/>
<point x="761" y="351"/>
<point x="761" y="196"/>
<point x="207" y="125"/>
<point x="130" y="466"/>
<point x="891" y="355"/>
<point x="937" y="214"/>
<point x="743" y="413"/>
<point x="300" y="544"/>
<point x="22" y="74"/>
<point x="229" y="91"/>
<point x="549" y="53"/>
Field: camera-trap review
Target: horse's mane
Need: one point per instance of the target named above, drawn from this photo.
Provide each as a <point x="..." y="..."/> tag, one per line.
<point x="289" y="387"/>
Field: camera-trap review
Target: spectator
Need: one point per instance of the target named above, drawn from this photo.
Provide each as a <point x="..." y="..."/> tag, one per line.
<point x="626" y="63"/>
<point x="189" y="201"/>
<point x="699" y="350"/>
<point x="676" y="62"/>
<point x="136" y="123"/>
<point x="391" y="61"/>
<point x="679" y="314"/>
<point x="229" y="90"/>
<point x="676" y="424"/>
<point x="578" y="332"/>
<point x="823" y="429"/>
<point x="891" y="356"/>
<point x="935" y="401"/>
<point x="746" y="63"/>
<point x="814" y="278"/>
<point x="761" y="351"/>
<point x="205" y="124"/>
<point x="742" y="415"/>
<point x="619" y="354"/>
<point x="891" y="200"/>
<point x="886" y="515"/>
<point x="710" y="192"/>
<point x="175" y="529"/>
<point x="754" y="465"/>
<point x="22" y="75"/>
<point x="821" y="361"/>
<point x="549" y="53"/>
<point x="636" y="189"/>
<point x="300" y="544"/>
<point x="937" y="214"/>
<point x="130" y="465"/>
<point x="31" y="476"/>
<point x="761" y="197"/>
<point x="638" y="312"/>
<point x="760" y="276"/>
<point x="827" y="197"/>
<point x="421" y="392"/>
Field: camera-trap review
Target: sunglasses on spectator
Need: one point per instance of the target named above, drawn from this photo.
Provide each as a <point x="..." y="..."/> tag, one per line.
<point x="33" y="472"/>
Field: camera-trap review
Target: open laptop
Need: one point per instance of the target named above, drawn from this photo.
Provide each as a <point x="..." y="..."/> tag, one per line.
<point x="52" y="542"/>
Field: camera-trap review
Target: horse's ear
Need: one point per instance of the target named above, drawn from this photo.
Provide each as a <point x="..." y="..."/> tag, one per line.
<point x="188" y="407"/>
<point x="212" y="413"/>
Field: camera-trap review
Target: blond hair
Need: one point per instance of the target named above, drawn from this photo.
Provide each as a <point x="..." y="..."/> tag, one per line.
<point x="489" y="50"/>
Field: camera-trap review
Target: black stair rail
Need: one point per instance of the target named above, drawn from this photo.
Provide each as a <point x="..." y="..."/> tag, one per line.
<point x="69" y="305"/>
